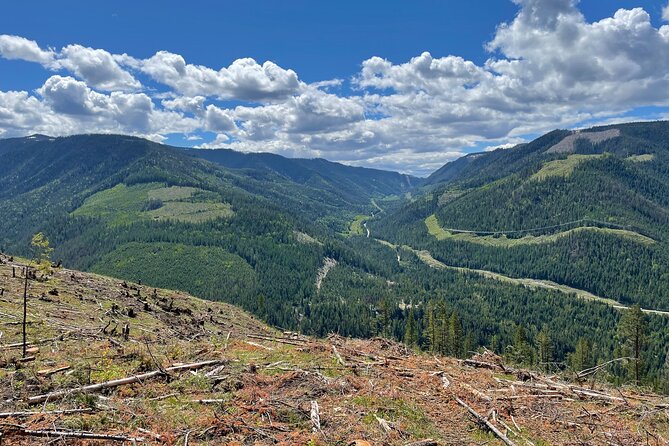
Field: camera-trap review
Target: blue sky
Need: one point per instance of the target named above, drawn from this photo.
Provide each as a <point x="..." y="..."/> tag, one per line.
<point x="348" y="81"/>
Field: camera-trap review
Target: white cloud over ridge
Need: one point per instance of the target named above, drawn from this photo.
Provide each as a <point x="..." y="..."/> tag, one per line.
<point x="244" y="79"/>
<point x="549" y="67"/>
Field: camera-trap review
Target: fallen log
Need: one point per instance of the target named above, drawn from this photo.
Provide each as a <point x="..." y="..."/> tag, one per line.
<point x="597" y="395"/>
<point x="297" y="342"/>
<point x="118" y="382"/>
<point x="49" y="372"/>
<point x="76" y="434"/>
<point x="477" y="393"/>
<point x="50" y="412"/>
<point x="483" y="365"/>
<point x="35" y="343"/>
<point x="486" y="423"/>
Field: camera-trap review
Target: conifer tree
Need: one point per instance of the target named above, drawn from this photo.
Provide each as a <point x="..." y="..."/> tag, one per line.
<point x="455" y="336"/>
<point x="581" y="358"/>
<point x="443" y="339"/>
<point x="544" y="344"/>
<point x="385" y="320"/>
<point x="430" y="328"/>
<point x="411" y="330"/>
<point x="521" y="352"/>
<point x="632" y="332"/>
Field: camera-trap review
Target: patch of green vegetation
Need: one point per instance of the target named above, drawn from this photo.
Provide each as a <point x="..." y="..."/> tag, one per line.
<point x="119" y="205"/>
<point x="107" y="372"/>
<point x="503" y="241"/>
<point x="123" y="204"/>
<point x="411" y="418"/>
<point x="172" y="193"/>
<point x="357" y="227"/>
<point x="175" y="266"/>
<point x="303" y="237"/>
<point x="505" y="376"/>
<point x="641" y="158"/>
<point x="189" y="382"/>
<point x="191" y="212"/>
<point x="481" y="436"/>
<point x="562" y="167"/>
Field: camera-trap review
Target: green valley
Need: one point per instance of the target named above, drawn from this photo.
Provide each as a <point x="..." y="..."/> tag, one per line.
<point x="523" y="239"/>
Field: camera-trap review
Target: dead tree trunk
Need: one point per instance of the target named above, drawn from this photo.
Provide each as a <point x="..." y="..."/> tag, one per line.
<point x="25" y="312"/>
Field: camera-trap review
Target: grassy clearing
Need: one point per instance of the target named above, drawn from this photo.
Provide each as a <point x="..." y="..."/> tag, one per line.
<point x="191" y="212"/>
<point x="125" y="204"/>
<point x="119" y="205"/>
<point x="562" y="167"/>
<point x="357" y="227"/>
<point x="502" y="241"/>
<point x="641" y="158"/>
<point x="173" y="193"/>
<point x="303" y="237"/>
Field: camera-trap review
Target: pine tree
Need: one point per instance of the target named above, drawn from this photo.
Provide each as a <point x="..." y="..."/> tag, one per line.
<point x="411" y="330"/>
<point x="581" y="358"/>
<point x="443" y="339"/>
<point x="385" y="328"/>
<point x="664" y="374"/>
<point x="41" y="251"/>
<point x="544" y="344"/>
<point x="521" y="352"/>
<point x="455" y="336"/>
<point x="632" y="332"/>
<point x="430" y="328"/>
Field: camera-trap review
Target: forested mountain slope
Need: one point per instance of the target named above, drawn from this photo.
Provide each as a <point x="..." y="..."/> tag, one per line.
<point x="272" y="236"/>
<point x="356" y="184"/>
<point x="587" y="209"/>
<point x="145" y="211"/>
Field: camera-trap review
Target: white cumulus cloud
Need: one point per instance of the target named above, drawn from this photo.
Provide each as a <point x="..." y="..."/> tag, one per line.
<point x="16" y="47"/>
<point x="549" y="67"/>
<point x="244" y="79"/>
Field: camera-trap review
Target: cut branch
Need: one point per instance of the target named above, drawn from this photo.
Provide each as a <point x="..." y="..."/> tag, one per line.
<point x="486" y="423"/>
<point x="118" y="382"/>
<point x="595" y="369"/>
